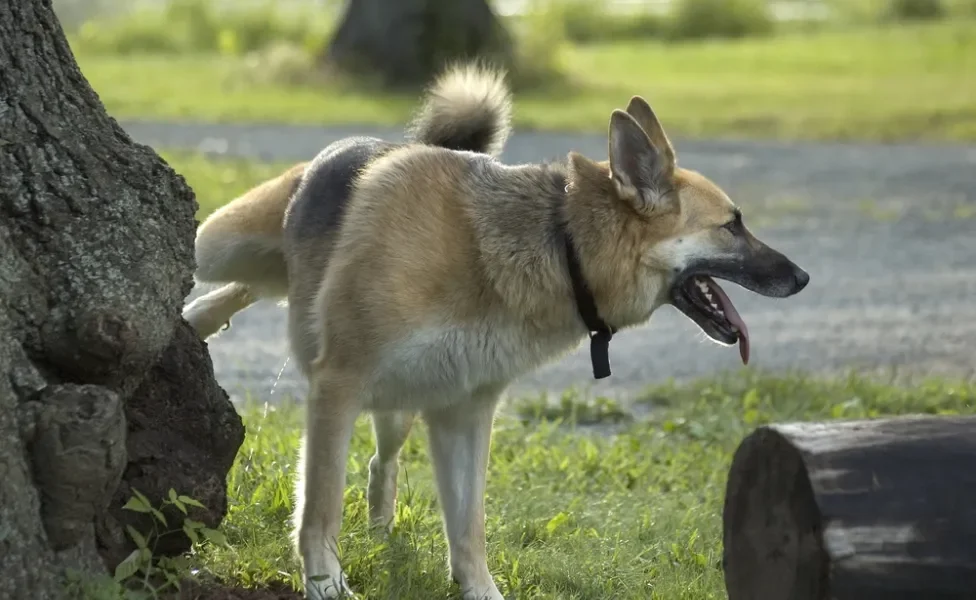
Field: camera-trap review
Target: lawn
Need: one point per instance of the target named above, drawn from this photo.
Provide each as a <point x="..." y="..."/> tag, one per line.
<point x="631" y="511"/>
<point x="883" y="83"/>
<point x="217" y="182"/>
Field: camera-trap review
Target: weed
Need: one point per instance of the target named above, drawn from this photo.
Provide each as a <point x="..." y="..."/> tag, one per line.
<point x="143" y="575"/>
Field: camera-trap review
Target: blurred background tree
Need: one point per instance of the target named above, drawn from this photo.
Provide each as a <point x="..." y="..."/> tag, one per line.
<point x="404" y="42"/>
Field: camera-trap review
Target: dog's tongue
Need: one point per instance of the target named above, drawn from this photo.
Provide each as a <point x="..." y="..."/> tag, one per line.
<point x="733" y="316"/>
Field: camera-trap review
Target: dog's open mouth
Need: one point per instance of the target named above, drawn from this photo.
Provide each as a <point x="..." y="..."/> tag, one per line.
<point x="705" y="303"/>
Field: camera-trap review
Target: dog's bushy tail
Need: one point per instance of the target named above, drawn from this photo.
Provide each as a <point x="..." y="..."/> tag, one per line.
<point x="468" y="107"/>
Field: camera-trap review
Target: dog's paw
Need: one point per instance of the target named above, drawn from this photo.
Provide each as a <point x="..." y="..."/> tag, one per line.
<point x="327" y="587"/>
<point x="482" y="591"/>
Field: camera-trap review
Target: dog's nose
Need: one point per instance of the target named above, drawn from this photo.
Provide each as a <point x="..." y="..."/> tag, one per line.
<point x="801" y="277"/>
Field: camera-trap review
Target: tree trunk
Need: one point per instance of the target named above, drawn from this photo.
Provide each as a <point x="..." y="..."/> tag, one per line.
<point x="858" y="510"/>
<point x="103" y="387"/>
<point x="403" y="43"/>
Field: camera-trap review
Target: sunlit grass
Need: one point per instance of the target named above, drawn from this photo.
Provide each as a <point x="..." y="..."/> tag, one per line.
<point x="630" y="513"/>
<point x="882" y="83"/>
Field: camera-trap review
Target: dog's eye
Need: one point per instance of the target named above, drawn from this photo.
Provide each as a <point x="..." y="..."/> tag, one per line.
<point x="735" y="225"/>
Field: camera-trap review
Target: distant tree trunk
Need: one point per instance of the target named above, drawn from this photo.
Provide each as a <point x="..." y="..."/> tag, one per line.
<point x="403" y="43"/>
<point x="103" y="387"/>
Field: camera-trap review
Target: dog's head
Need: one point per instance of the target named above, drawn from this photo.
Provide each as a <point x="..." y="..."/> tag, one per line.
<point x="658" y="234"/>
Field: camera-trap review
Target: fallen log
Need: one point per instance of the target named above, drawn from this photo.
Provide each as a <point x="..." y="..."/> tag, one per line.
<point x="856" y="510"/>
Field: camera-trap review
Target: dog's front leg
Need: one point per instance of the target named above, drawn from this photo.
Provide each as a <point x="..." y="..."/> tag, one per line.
<point x="460" y="438"/>
<point x="333" y="405"/>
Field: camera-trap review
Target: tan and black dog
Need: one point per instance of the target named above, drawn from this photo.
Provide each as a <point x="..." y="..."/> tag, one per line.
<point x="425" y="276"/>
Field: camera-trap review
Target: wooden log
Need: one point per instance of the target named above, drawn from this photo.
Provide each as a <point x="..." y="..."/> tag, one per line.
<point x="856" y="510"/>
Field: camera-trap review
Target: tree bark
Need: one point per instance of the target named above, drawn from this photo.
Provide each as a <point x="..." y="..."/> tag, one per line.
<point x="857" y="510"/>
<point x="103" y="386"/>
<point x="404" y="43"/>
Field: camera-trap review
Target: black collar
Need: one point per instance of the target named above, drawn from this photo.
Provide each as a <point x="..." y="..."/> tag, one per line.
<point x="600" y="332"/>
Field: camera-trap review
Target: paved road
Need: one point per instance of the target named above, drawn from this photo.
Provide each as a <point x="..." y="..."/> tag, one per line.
<point x="888" y="234"/>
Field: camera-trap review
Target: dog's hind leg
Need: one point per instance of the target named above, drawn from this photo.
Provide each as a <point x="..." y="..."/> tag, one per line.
<point x="208" y="313"/>
<point x="333" y="405"/>
<point x="460" y="437"/>
<point x="391" y="430"/>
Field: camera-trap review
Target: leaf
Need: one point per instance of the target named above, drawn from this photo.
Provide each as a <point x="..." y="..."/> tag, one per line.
<point x="159" y="516"/>
<point x="556" y="521"/>
<point x="137" y="537"/>
<point x="191" y="502"/>
<point x="172" y="495"/>
<point x="142" y="497"/>
<point x="128" y="567"/>
<point x="191" y="533"/>
<point x="137" y="505"/>
<point x="751" y="399"/>
<point x="180" y="506"/>
<point x="214" y="536"/>
<point x="174" y="563"/>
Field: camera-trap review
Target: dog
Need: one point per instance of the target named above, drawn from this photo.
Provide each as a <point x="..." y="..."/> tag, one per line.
<point x="423" y="276"/>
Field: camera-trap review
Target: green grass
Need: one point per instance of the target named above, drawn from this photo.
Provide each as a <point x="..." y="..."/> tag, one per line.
<point x="570" y="514"/>
<point x="881" y="83"/>
<point x="217" y="182"/>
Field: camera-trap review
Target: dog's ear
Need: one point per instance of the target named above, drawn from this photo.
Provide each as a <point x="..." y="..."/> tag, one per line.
<point x="645" y="117"/>
<point x="641" y="173"/>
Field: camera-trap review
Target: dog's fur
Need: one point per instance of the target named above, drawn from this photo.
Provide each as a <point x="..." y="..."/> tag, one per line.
<point x="424" y="277"/>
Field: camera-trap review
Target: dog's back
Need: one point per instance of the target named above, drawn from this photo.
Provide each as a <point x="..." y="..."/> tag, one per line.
<point x="276" y="239"/>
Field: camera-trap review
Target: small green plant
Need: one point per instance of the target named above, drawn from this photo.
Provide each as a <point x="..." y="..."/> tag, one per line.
<point x="141" y="573"/>
<point x="79" y="584"/>
<point x="846" y="12"/>
<point x="540" y="46"/>
<point x="282" y="63"/>
<point x="916" y="10"/>
<point x="573" y="410"/>
<point x="198" y="27"/>
<point x="697" y="19"/>
<point x="583" y="21"/>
